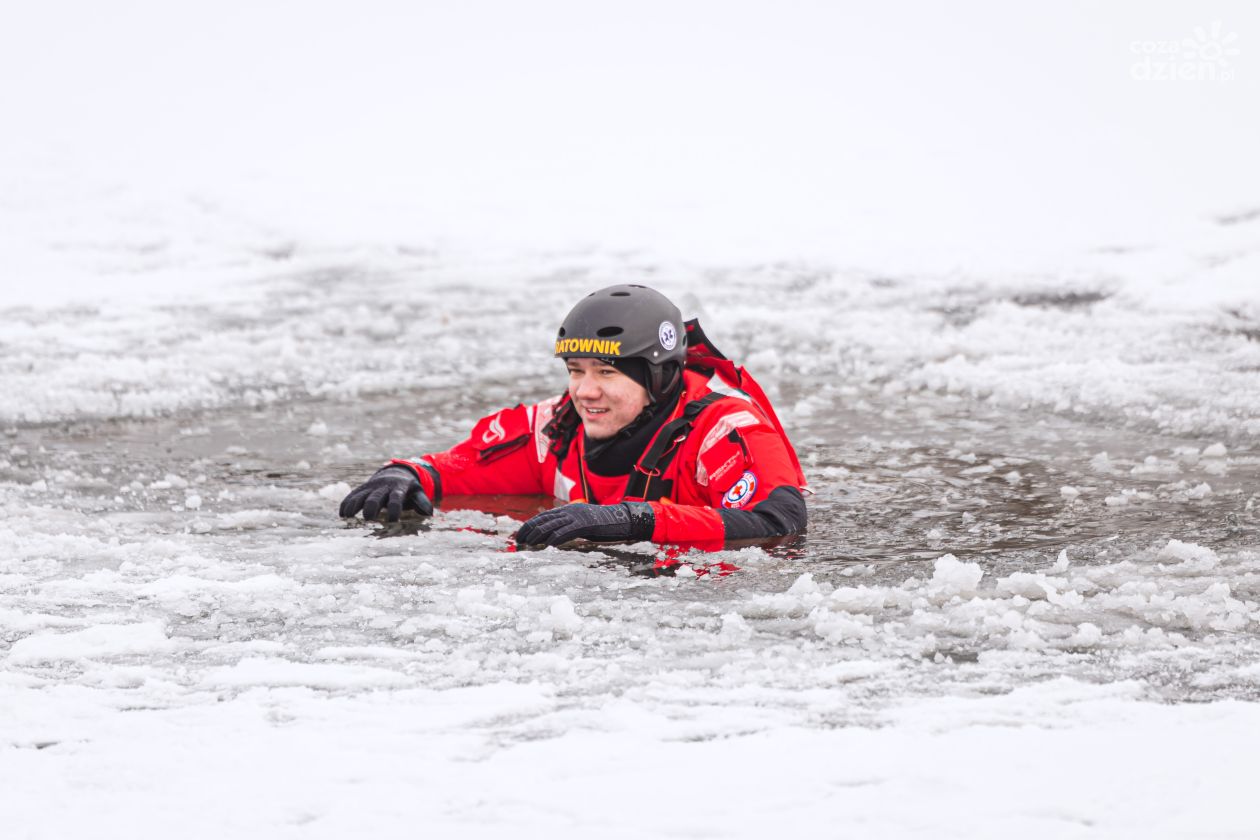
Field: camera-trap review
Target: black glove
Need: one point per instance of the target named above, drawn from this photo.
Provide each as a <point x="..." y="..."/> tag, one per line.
<point x="395" y="487"/>
<point x="630" y="521"/>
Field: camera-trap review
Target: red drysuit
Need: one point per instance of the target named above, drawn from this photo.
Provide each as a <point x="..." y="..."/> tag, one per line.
<point x="719" y="468"/>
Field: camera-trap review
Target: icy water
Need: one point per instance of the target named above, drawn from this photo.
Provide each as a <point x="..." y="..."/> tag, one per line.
<point x="209" y="543"/>
<point x="1015" y="482"/>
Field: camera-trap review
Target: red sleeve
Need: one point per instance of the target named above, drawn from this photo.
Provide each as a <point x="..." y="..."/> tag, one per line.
<point x="732" y="461"/>
<point x="688" y="525"/>
<point x="502" y="454"/>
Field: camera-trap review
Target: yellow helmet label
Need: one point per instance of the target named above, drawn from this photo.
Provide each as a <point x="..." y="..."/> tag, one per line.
<point x="593" y="346"/>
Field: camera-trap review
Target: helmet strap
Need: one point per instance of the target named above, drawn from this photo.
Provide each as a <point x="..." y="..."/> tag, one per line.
<point x="662" y="379"/>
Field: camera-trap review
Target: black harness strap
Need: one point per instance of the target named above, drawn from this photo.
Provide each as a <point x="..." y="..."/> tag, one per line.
<point x="645" y="482"/>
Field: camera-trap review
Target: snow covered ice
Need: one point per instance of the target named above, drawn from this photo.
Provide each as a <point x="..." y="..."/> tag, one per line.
<point x="1023" y="376"/>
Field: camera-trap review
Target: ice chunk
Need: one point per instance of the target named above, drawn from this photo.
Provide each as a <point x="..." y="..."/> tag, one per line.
<point x="735" y="629"/>
<point x="1199" y="557"/>
<point x="1101" y="463"/>
<point x="1215" y="466"/>
<point x="1069" y="492"/>
<point x="1032" y="586"/>
<point x="842" y="627"/>
<point x="93" y="642"/>
<point x="1152" y="465"/>
<point x="1216" y="450"/>
<point x="334" y="492"/>
<point x="473" y="595"/>
<point x="256" y="671"/>
<point x="951" y="576"/>
<point x="562" y="619"/>
<point x="1187" y="454"/>
<point x="804" y="585"/>
<point x="869" y="599"/>
<point x="1088" y="635"/>
<point x="251" y="519"/>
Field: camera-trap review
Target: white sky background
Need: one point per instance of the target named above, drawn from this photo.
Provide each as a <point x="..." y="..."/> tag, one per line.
<point x="936" y="135"/>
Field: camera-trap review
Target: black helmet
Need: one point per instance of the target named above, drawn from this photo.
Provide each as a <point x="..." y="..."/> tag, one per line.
<point x="624" y="322"/>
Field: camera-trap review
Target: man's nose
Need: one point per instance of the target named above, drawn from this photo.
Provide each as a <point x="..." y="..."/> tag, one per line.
<point x="588" y="388"/>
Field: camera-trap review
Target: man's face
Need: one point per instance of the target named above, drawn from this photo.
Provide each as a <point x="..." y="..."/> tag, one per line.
<point x="606" y="399"/>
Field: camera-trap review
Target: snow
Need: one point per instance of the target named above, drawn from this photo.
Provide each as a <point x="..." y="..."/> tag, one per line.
<point x="980" y="768"/>
<point x="1004" y="292"/>
<point x="109" y="640"/>
<point x="277" y="673"/>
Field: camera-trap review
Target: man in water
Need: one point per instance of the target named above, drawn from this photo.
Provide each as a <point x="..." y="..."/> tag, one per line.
<point x="659" y="437"/>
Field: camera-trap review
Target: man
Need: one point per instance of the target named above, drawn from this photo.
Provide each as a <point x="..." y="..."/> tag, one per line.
<point x="659" y="437"/>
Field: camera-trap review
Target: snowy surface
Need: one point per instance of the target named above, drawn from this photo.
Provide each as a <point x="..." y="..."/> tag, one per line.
<point x="1005" y="295"/>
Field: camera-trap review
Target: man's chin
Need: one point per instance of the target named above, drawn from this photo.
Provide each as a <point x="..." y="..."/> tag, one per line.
<point x="598" y="432"/>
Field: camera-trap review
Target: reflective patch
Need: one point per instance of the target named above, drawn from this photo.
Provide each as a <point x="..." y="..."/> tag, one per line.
<point x="725" y="425"/>
<point x="563" y="487"/>
<point x="546" y="410"/>
<point x="741" y="492"/>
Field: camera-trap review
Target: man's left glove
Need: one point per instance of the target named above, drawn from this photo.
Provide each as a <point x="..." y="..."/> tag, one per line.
<point x="628" y="521"/>
<point x="395" y="488"/>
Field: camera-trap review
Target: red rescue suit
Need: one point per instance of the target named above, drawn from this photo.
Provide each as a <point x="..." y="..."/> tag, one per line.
<point x="720" y="449"/>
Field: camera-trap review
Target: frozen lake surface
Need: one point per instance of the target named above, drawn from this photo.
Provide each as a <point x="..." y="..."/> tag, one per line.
<point x="1035" y="529"/>
<point x="220" y="528"/>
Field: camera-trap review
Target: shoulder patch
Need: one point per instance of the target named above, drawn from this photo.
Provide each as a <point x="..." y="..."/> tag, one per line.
<point x="741" y="491"/>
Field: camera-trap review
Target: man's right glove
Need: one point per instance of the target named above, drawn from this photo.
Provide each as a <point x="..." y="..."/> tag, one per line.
<point x="395" y="488"/>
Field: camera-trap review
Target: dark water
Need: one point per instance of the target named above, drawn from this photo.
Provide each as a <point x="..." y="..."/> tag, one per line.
<point x="894" y="484"/>
<point x="897" y="484"/>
